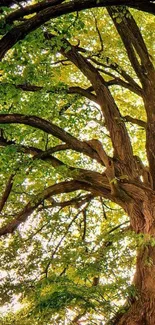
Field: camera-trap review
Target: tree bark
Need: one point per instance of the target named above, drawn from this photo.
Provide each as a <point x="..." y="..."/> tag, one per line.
<point x="135" y="196"/>
<point x="19" y="32"/>
<point x="140" y="309"/>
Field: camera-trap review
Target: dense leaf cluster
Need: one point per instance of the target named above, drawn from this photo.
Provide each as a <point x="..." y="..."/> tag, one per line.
<point x="73" y="157"/>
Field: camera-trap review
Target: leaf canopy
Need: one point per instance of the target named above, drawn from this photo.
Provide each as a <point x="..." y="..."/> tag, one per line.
<point x="67" y="251"/>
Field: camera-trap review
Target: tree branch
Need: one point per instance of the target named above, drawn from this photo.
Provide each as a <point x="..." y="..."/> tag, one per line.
<point x="77" y="201"/>
<point x="136" y="48"/>
<point x="128" y="118"/>
<point x="122" y="146"/>
<point x="115" y="67"/>
<point x="97" y="189"/>
<point x="134" y="43"/>
<point x="7" y="192"/>
<point x="99" y="35"/>
<point x="70" y="90"/>
<point x="122" y="83"/>
<point x="64" y="187"/>
<point x="9" y="3"/>
<point x="50" y="128"/>
<point x="63" y="237"/>
<point x="37" y="153"/>
<point x="19" y="32"/>
<point x="28" y="10"/>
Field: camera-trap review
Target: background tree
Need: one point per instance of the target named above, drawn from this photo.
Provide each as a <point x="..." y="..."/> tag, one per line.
<point x="77" y="176"/>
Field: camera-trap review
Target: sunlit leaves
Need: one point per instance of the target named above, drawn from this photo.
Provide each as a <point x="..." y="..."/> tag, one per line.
<point x="71" y="256"/>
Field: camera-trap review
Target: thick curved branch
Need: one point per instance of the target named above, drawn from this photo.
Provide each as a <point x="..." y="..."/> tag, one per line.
<point x="28" y="10"/>
<point x="37" y="153"/>
<point x="19" y="32"/>
<point x="134" y="43"/>
<point x="87" y="176"/>
<point x="64" y="187"/>
<point x="130" y="84"/>
<point x="90" y="177"/>
<point x="50" y="128"/>
<point x="144" y="5"/>
<point x="70" y="90"/>
<point x="116" y="127"/>
<point x="85" y="180"/>
<point x="102" y="181"/>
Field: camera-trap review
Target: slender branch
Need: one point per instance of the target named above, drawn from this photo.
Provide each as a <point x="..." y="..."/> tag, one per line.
<point x="115" y="67"/>
<point x="63" y="237"/>
<point x="78" y="201"/>
<point x="37" y="153"/>
<point x="7" y="192"/>
<point x="99" y="35"/>
<point x="128" y="118"/>
<point x="64" y="187"/>
<point x="122" y="146"/>
<point x="84" y="223"/>
<point x="50" y="128"/>
<point x="19" y="32"/>
<point x="45" y="154"/>
<point x="122" y="83"/>
<point x="118" y="226"/>
<point x="70" y="90"/>
<point x="85" y="180"/>
<point x="103" y="209"/>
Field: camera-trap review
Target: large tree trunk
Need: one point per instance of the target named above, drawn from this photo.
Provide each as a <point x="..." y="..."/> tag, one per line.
<point x="141" y="307"/>
<point x="135" y="196"/>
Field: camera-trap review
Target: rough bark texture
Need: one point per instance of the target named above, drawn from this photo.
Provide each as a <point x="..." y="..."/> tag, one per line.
<point x="135" y="194"/>
<point x="52" y="11"/>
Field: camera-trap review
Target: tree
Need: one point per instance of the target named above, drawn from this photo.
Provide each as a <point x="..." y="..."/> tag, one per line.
<point x="77" y="176"/>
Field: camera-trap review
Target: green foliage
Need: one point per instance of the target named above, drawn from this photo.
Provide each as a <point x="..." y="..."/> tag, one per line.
<point x="52" y="260"/>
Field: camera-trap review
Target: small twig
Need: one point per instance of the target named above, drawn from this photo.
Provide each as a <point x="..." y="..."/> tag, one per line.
<point x="102" y="204"/>
<point x="46" y="143"/>
<point x="84" y="224"/>
<point x="99" y="35"/>
<point x="61" y="240"/>
<point x="73" y="23"/>
<point x="63" y="62"/>
<point x="7" y="192"/>
<point x="110" y="208"/>
<point x="37" y="231"/>
<point x="65" y="107"/>
<point x="128" y="118"/>
<point x="118" y="226"/>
